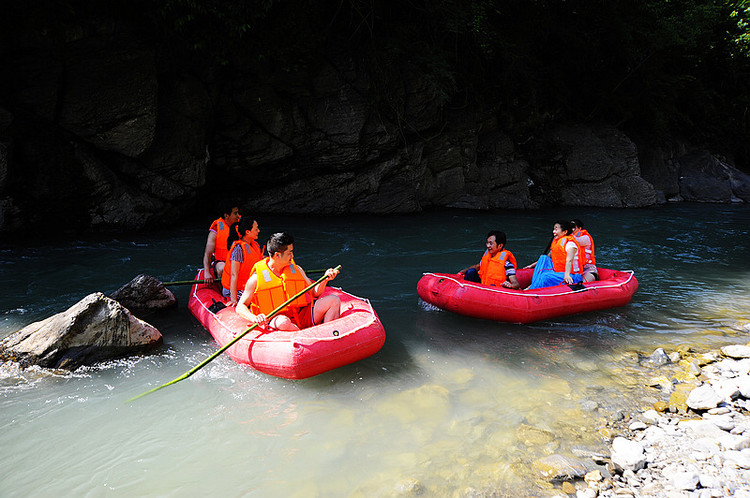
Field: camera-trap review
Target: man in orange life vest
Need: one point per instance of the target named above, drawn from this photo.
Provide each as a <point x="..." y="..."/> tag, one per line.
<point x="216" y="245"/>
<point x="277" y="278"/>
<point x="498" y="265"/>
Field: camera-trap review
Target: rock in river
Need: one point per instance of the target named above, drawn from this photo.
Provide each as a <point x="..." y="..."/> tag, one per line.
<point x="703" y="398"/>
<point x="145" y="293"/>
<point x="556" y="467"/>
<point x="94" y="329"/>
<point x="627" y="454"/>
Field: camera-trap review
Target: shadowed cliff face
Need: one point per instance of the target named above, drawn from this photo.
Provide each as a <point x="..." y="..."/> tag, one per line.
<point x="101" y="127"/>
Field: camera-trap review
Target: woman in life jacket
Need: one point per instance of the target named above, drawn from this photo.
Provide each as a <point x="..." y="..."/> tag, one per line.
<point x="243" y="252"/>
<point x="276" y="279"/>
<point x="586" y="241"/>
<point x="562" y="260"/>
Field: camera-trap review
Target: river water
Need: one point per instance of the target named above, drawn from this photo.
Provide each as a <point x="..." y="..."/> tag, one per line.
<point x="451" y="406"/>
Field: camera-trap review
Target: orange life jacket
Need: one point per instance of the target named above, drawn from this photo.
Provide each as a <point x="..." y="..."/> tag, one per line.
<point x="222" y="234"/>
<point x="272" y="291"/>
<point x="251" y="254"/>
<point x="559" y="255"/>
<point x="492" y="269"/>
<point x="590" y="256"/>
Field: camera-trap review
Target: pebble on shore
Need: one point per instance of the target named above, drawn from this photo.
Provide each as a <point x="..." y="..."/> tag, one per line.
<point x="695" y="445"/>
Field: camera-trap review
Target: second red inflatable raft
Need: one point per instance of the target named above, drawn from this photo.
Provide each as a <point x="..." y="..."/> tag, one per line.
<point x="451" y="292"/>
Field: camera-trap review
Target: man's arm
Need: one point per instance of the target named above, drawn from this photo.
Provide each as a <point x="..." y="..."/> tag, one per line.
<point x="512" y="282"/>
<point x="570" y="250"/>
<point x="331" y="273"/>
<point x="207" y="253"/>
<point x="510" y="269"/>
<point x="247" y="296"/>
<point x="235" y="276"/>
<point x="475" y="267"/>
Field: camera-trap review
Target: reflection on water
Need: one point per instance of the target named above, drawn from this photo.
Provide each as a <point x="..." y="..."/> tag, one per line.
<point x="450" y="406"/>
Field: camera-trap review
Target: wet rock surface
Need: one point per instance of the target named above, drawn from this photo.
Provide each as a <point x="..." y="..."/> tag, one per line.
<point x="144" y="293"/>
<point x="96" y="328"/>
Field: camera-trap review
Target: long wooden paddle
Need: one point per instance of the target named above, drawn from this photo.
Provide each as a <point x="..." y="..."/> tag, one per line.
<point x="191" y="282"/>
<point x="230" y="343"/>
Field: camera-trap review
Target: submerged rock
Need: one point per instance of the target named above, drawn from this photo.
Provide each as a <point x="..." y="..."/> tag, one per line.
<point x="533" y="436"/>
<point x="94" y="329"/>
<point x="409" y="487"/>
<point x="658" y="358"/>
<point x="555" y="467"/>
<point x="144" y="292"/>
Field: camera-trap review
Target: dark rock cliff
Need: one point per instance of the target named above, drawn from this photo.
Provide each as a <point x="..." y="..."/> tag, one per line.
<point x="100" y="128"/>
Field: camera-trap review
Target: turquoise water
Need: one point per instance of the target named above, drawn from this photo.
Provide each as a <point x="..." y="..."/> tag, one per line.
<point x="440" y="409"/>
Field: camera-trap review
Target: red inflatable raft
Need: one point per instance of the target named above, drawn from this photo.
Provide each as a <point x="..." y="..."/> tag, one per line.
<point x="453" y="293"/>
<point x="356" y="335"/>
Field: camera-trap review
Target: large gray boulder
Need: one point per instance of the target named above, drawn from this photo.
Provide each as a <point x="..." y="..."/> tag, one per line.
<point x="492" y="173"/>
<point x="579" y="165"/>
<point x="94" y="329"/>
<point x="705" y="178"/>
<point x="680" y="172"/>
<point x="660" y="168"/>
<point x="109" y="96"/>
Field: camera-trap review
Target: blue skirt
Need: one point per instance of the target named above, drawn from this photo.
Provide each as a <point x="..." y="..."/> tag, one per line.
<point x="546" y="276"/>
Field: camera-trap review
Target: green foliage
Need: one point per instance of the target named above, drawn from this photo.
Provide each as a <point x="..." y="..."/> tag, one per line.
<point x="741" y="15"/>
<point x="212" y="28"/>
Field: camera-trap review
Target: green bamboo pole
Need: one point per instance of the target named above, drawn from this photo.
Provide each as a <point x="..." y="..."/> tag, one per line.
<point x="230" y="343"/>
<point x="184" y="282"/>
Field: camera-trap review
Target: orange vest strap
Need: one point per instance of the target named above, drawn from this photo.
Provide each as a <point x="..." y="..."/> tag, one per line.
<point x="590" y="255"/>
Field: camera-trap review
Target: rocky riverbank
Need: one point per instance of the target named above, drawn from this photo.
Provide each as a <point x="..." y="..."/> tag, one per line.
<point x="694" y="442"/>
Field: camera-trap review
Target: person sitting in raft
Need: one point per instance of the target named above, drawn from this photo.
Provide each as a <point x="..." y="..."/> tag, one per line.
<point x="562" y="260"/>
<point x="244" y="252"/>
<point x="216" y="249"/>
<point x="276" y="279"/>
<point x="498" y="265"/>
<point x="590" y="273"/>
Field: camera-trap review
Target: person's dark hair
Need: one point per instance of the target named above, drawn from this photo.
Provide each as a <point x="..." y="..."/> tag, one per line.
<point x="279" y="242"/>
<point x="238" y="229"/>
<point x="499" y="237"/>
<point x="578" y="223"/>
<point x="226" y="206"/>
<point x="565" y="226"/>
